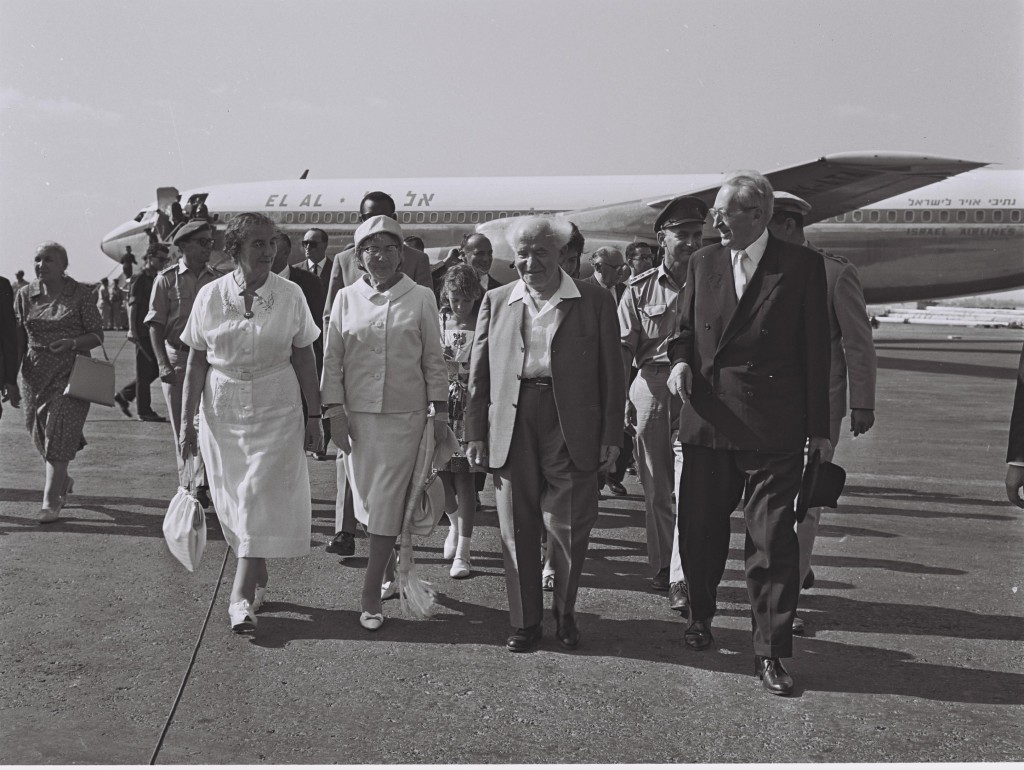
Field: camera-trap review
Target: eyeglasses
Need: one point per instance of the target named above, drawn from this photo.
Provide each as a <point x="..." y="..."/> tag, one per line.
<point x="204" y="242"/>
<point x="723" y="214"/>
<point x="311" y="243"/>
<point x="376" y="251"/>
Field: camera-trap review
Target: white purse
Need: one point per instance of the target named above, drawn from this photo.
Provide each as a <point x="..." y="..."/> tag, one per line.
<point x="185" y="524"/>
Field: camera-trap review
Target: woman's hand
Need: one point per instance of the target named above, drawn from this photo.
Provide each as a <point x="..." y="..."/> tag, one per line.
<point x="188" y="442"/>
<point x="339" y="431"/>
<point x="61" y="346"/>
<point x="314" y="435"/>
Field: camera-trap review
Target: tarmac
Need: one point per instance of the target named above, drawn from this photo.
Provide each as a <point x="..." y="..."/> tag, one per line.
<point x="913" y="648"/>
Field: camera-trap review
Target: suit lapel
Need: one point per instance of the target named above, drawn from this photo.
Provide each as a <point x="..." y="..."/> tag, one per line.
<point x="762" y="284"/>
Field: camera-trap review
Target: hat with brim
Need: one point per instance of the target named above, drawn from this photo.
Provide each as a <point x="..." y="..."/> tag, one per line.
<point x="681" y="211"/>
<point x="785" y="201"/>
<point x="187" y="229"/>
<point x="377" y="224"/>
<point x="821" y="485"/>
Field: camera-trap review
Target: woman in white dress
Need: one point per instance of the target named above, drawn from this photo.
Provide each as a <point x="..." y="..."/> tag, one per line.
<point x="382" y="364"/>
<point x="251" y="336"/>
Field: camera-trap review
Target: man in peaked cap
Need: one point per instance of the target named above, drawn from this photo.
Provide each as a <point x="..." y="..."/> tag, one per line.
<point x="853" y="358"/>
<point x="648" y="319"/>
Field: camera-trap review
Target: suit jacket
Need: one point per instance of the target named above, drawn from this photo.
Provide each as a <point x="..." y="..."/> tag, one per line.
<point x="760" y="366"/>
<point x="852" y="349"/>
<point x="620" y="288"/>
<point x="316" y="295"/>
<point x="586" y="373"/>
<point x="345" y="271"/>
<point x="1015" y="448"/>
<point x="324" y="275"/>
<point x="8" y="335"/>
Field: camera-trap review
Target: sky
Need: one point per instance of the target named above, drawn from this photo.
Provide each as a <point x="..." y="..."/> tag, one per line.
<point x="101" y="102"/>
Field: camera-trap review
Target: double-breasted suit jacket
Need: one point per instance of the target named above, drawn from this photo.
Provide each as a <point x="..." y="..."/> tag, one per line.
<point x="761" y="365"/>
<point x="586" y="374"/>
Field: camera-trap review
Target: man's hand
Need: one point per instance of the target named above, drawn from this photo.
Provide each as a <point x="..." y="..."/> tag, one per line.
<point x="1014" y="482"/>
<point x="630" y="413"/>
<point x="476" y="453"/>
<point x="10" y="393"/>
<point x="130" y="336"/>
<point x="609" y="454"/>
<point x="680" y="381"/>
<point x="166" y="371"/>
<point x="820" y="444"/>
<point x="861" y="421"/>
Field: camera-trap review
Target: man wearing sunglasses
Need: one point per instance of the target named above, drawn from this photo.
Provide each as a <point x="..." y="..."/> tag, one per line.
<point x="314" y="246"/>
<point x="174" y="292"/>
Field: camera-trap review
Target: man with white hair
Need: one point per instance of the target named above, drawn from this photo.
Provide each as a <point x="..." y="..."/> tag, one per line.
<point x="545" y="414"/>
<point x="751" y="365"/>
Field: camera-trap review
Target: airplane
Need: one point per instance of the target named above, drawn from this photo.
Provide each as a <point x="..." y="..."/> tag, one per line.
<point x="917" y="227"/>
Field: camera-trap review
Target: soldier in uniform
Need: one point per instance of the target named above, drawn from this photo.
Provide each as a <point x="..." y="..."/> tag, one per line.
<point x="174" y="291"/>
<point x="852" y="359"/>
<point x="648" y="320"/>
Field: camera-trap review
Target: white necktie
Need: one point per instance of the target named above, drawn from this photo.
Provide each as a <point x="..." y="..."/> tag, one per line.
<point x="740" y="272"/>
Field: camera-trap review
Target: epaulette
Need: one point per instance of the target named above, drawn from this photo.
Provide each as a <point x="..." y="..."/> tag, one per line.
<point x="834" y="257"/>
<point x="642" y="275"/>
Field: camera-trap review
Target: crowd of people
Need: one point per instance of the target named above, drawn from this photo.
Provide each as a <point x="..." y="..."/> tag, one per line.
<point x="712" y="366"/>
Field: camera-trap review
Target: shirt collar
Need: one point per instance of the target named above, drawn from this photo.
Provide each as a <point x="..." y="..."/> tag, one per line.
<point x="567" y="289"/>
<point x="755" y="250"/>
<point x="404" y="285"/>
<point x="286" y="272"/>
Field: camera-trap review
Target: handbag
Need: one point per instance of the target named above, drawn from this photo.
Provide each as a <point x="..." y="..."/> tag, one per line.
<point x="185" y="524"/>
<point x="92" y="380"/>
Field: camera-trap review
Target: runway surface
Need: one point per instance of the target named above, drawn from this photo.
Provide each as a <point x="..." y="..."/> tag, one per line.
<point x="913" y="651"/>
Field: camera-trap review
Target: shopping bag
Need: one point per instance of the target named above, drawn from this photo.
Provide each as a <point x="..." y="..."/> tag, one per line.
<point x="92" y="380"/>
<point x="185" y="525"/>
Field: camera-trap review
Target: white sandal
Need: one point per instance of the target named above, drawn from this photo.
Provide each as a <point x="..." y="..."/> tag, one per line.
<point x="243" y="620"/>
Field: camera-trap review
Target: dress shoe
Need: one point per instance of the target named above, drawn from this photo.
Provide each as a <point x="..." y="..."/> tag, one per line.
<point x="123" y="404"/>
<point x="525" y="639"/>
<point x="243" y="619"/>
<point x="773" y="676"/>
<point x="371" y="621"/>
<point x="677" y="597"/>
<point x="809" y="580"/>
<point x="631" y="470"/>
<point x="388" y="589"/>
<point x="547" y="581"/>
<point x="450" y="543"/>
<point x="320" y="456"/>
<point x="617" y="488"/>
<point x="698" y="635"/>
<point x="660" y="581"/>
<point x="49" y="515"/>
<point x="460" y="568"/>
<point x="567" y="632"/>
<point x="798" y="625"/>
<point x="152" y="417"/>
<point x="343" y="544"/>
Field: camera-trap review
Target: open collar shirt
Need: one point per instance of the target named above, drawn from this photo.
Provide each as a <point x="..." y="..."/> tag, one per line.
<point x="540" y="324"/>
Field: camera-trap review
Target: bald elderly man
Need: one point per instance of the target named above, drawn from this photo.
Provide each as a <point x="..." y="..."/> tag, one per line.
<point x="545" y="414"/>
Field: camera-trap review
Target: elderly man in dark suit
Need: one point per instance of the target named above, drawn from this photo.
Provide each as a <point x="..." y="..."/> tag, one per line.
<point x="545" y="413"/>
<point x="751" y="365"/>
<point x="1015" y="446"/>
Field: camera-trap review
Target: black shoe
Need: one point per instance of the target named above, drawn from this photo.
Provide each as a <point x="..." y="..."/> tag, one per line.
<point x="567" y="632"/>
<point x="631" y="470"/>
<point x="677" y="597"/>
<point x="617" y="488"/>
<point x="343" y="544"/>
<point x="319" y="455"/>
<point x="525" y="639"/>
<point x="203" y="496"/>
<point x="152" y="417"/>
<point x="773" y="676"/>
<point x="698" y="635"/>
<point x="809" y="580"/>
<point x="660" y="581"/>
<point x="798" y="625"/>
<point x="122" y="404"/>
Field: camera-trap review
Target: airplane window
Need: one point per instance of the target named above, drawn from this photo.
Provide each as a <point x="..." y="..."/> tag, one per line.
<point x="447" y="217"/>
<point x="874" y="216"/>
<point x="997" y="216"/>
<point x="961" y="216"/>
<point x="433" y="217"/>
<point x="302" y="217"/>
<point x="890" y="216"/>
<point x="908" y="216"/>
<point x="474" y="217"/>
<point x="461" y="217"/>
<point x="858" y="216"/>
<point x="289" y="217"/>
<point x="979" y="216"/>
<point x="328" y="217"/>
<point x="315" y="217"/>
<point x="421" y="217"/>
<point x="943" y="216"/>
<point x="1015" y="216"/>
<point x="488" y="216"/>
<point x="926" y="216"/>
<point x="841" y="218"/>
<point x="502" y="215"/>
<point x="406" y="217"/>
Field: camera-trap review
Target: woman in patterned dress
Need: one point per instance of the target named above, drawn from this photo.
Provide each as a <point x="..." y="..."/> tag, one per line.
<point x="251" y="338"/>
<point x="459" y="308"/>
<point x="57" y="320"/>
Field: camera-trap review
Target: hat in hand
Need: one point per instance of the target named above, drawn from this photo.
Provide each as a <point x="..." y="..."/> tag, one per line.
<point x="822" y="484"/>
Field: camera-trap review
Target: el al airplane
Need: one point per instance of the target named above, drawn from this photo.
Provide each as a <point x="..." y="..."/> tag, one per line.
<point x="916" y="227"/>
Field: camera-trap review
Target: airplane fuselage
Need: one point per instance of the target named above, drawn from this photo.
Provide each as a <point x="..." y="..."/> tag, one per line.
<point x="964" y="235"/>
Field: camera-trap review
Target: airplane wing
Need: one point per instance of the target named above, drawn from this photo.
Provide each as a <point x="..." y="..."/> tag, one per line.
<point x="832" y="184"/>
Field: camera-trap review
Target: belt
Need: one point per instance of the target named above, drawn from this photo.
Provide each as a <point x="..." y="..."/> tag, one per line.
<point x="536" y="382"/>
<point x="248" y="374"/>
<point x="651" y="366"/>
<point x="181" y="347"/>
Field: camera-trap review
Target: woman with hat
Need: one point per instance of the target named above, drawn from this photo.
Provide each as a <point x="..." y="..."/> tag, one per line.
<point x="382" y="365"/>
<point x="57" y="320"/>
<point x="251" y="337"/>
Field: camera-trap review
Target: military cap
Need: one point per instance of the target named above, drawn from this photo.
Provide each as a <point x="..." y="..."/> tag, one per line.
<point x="188" y="229"/>
<point x="678" y="211"/>
<point x="785" y="201"/>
